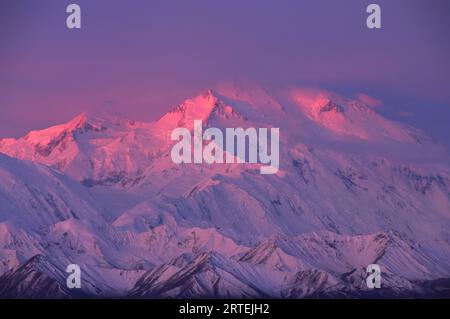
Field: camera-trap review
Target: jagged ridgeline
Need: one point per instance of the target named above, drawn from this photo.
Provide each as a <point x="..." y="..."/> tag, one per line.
<point x="352" y="189"/>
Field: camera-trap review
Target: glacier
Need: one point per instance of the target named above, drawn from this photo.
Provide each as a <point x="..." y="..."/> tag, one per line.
<point x="353" y="189"/>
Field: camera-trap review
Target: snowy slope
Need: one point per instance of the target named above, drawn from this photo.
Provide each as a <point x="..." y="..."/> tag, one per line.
<point x="97" y="151"/>
<point x="353" y="189"/>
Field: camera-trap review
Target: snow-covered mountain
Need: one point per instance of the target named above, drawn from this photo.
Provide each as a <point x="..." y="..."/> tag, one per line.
<point x="353" y="189"/>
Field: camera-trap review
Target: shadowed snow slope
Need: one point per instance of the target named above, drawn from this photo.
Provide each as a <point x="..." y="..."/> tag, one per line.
<point x="353" y="189"/>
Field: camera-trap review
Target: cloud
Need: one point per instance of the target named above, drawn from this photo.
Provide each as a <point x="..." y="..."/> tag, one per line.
<point x="369" y="100"/>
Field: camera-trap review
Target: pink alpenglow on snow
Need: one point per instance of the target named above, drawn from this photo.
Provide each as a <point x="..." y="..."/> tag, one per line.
<point x="352" y="189"/>
<point x="327" y="152"/>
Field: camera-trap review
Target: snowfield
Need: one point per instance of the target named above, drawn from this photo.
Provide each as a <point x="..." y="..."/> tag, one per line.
<point x="353" y="189"/>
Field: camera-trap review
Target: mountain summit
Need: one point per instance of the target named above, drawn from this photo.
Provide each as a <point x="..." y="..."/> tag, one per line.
<point x="353" y="188"/>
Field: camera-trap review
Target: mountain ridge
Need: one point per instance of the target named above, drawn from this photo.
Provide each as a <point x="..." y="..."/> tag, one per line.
<point x="353" y="189"/>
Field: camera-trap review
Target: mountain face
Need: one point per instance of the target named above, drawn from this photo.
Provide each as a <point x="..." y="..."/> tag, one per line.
<point x="353" y="189"/>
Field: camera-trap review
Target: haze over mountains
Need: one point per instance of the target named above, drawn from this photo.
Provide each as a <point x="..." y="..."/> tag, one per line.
<point x="353" y="189"/>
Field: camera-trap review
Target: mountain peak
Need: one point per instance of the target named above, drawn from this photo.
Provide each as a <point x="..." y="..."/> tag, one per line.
<point x="346" y="117"/>
<point x="66" y="132"/>
<point x="205" y="107"/>
<point x="209" y="95"/>
<point x="97" y="121"/>
<point x="78" y="121"/>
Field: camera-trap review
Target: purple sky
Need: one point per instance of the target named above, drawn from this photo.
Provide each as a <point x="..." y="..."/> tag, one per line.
<point x="141" y="57"/>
